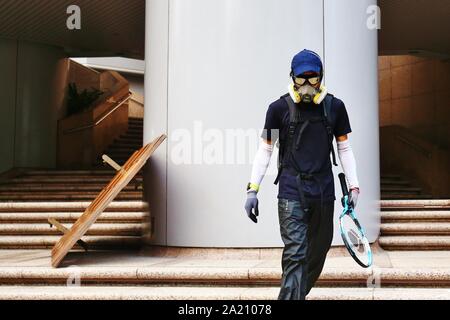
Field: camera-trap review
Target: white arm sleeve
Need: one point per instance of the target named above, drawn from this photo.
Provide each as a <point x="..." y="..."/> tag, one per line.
<point x="348" y="163"/>
<point x="261" y="162"/>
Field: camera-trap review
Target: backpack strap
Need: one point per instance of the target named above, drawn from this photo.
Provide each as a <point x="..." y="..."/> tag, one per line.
<point x="327" y="102"/>
<point x="294" y="119"/>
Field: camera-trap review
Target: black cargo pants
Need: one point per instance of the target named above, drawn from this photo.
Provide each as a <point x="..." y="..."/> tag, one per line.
<point x="307" y="238"/>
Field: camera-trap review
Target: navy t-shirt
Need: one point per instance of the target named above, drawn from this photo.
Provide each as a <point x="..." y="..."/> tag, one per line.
<point x="313" y="154"/>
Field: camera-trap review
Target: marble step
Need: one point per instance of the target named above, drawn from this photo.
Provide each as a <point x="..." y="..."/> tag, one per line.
<point x="100" y="229"/>
<point x="57" y="172"/>
<point x="64" y="196"/>
<point x="136" y="124"/>
<point x="222" y="276"/>
<point x="396" y="195"/>
<point x="48" y="241"/>
<point x="121" y="149"/>
<point x="401" y="189"/>
<point x="64" y="180"/>
<point x="419" y="215"/>
<point x="411" y="242"/>
<point x="71" y="217"/>
<point x="119" y="153"/>
<point x="415" y="228"/>
<point x="415" y="204"/>
<point x="30" y="187"/>
<point x="134" y="129"/>
<point x="71" y="206"/>
<point x="133" y="134"/>
<point x="211" y="293"/>
<point x="131" y="146"/>
<point x="389" y="182"/>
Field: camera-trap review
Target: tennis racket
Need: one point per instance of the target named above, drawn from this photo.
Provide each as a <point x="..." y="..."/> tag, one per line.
<point x="351" y="231"/>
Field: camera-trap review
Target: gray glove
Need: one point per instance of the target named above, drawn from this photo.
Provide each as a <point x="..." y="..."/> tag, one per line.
<point x="252" y="203"/>
<point x="353" y="197"/>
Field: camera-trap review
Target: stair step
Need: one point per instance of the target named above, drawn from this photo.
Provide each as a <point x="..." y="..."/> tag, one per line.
<point x="393" y="196"/>
<point x="391" y="176"/>
<point x="132" y="145"/>
<point x="104" y="229"/>
<point x="415" y="204"/>
<point x="211" y="293"/>
<point x="136" y="124"/>
<point x="118" y="149"/>
<point x="119" y="153"/>
<point x="415" y="242"/>
<point x="65" y="180"/>
<point x="47" y="242"/>
<point x="55" y="172"/>
<point x="134" y="129"/>
<point x="71" y="217"/>
<point x="71" y="206"/>
<point x="65" y="197"/>
<point x="125" y="148"/>
<point x="401" y="189"/>
<point x="396" y="182"/>
<point x="125" y="139"/>
<point x="415" y="228"/>
<point x="138" y="137"/>
<point x="207" y="276"/>
<point x="126" y="145"/>
<point x="30" y="187"/>
<point x="410" y="216"/>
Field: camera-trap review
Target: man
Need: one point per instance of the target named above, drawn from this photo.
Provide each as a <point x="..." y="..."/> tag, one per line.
<point x="304" y="122"/>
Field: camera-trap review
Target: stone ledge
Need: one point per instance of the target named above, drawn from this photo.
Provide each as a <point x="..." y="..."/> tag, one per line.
<point x="204" y="293"/>
<point x="163" y="274"/>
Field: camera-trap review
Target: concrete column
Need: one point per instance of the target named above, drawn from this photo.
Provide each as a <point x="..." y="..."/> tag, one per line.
<point x="212" y="69"/>
<point x="351" y="73"/>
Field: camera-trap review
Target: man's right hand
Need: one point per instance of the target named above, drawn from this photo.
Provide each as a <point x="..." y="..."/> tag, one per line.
<point x="252" y="204"/>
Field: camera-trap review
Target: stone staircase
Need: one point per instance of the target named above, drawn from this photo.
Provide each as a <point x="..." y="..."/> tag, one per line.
<point x="415" y="225"/>
<point x="123" y="147"/>
<point x="24" y="225"/>
<point x="230" y="274"/>
<point x="34" y="195"/>
<point x="395" y="186"/>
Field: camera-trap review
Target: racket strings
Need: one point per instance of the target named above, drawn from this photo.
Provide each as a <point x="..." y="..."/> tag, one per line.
<point x="355" y="239"/>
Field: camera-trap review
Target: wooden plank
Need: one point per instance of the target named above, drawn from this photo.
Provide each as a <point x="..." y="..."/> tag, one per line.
<point x="111" y="162"/>
<point x="105" y="197"/>
<point x="64" y="230"/>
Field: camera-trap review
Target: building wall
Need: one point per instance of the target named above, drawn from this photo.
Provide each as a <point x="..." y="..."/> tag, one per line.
<point x="33" y="81"/>
<point x="8" y="74"/>
<point x="136" y="82"/>
<point x="415" y="93"/>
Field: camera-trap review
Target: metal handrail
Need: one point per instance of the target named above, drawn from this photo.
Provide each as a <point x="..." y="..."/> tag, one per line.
<point x="101" y="118"/>
<point x="413" y="145"/>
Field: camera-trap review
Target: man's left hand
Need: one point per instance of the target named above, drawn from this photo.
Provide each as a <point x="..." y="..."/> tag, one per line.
<point x="353" y="197"/>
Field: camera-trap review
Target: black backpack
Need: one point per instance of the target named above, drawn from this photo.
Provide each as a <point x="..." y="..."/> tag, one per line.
<point x="286" y="145"/>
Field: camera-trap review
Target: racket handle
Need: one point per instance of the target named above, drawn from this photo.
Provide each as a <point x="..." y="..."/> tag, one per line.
<point x="343" y="184"/>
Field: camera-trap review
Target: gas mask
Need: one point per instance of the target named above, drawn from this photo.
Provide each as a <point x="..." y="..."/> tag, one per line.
<point x="307" y="93"/>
